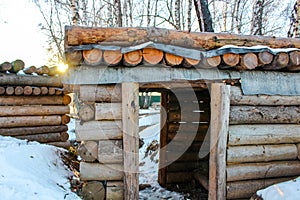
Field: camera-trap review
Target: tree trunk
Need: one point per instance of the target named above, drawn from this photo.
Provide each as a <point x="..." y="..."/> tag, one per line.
<point x="133" y="58"/>
<point x="112" y="58"/>
<point x="115" y="190"/>
<point x="203" y="15"/>
<point x="264" y="58"/>
<point x="6" y="66"/>
<point x="35" y="100"/>
<point x="46" y="137"/>
<point x="17" y="131"/>
<point x="108" y="111"/>
<point x="152" y="56"/>
<point x="19" y="90"/>
<point x="93" y="190"/>
<point x="92" y="57"/>
<point x="33" y="110"/>
<point x="17" y="65"/>
<point x="248" y="61"/>
<point x="173" y="60"/>
<point x="100" y="93"/>
<point x="231" y="59"/>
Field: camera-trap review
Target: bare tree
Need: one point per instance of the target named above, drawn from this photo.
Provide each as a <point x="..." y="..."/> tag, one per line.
<point x="189" y="15"/>
<point x="177" y="14"/>
<point x="204" y="16"/>
<point x="257" y="17"/>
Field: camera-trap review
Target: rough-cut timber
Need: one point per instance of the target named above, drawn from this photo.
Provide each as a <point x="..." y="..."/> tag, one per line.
<point x="97" y="171"/>
<point x="133" y="58"/>
<point x="98" y="130"/>
<point x="100" y="93"/>
<point x="172" y="59"/>
<point x="33" y="110"/>
<point x="263" y="134"/>
<point x="75" y="35"/>
<point x="35" y="100"/>
<point x="19" y="121"/>
<point x="250" y="171"/>
<point x="46" y="137"/>
<point x="237" y="98"/>
<point x="88" y="151"/>
<point x="111" y="57"/>
<point x="245" y="189"/>
<point x="15" y="131"/>
<point x="130" y="115"/>
<point x="92" y="57"/>
<point x="261" y="153"/>
<point x="13" y="79"/>
<point x="93" y="190"/>
<point x="152" y="56"/>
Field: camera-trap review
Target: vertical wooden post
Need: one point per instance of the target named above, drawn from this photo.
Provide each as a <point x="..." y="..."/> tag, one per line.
<point x="220" y="104"/>
<point x="163" y="138"/>
<point x="130" y="114"/>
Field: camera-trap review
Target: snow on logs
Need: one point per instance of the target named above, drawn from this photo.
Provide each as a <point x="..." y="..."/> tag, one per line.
<point x="34" y="108"/>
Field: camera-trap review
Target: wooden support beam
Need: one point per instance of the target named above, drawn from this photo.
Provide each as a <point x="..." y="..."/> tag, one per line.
<point x="220" y="104"/>
<point x="130" y="114"/>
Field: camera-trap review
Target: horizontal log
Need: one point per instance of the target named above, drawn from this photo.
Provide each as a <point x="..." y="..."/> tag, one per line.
<point x="98" y="130"/>
<point x="261" y="153"/>
<point x="75" y="35"/>
<point x="114" y="190"/>
<point x="33" y="110"/>
<point x="186" y="116"/>
<point x="110" y="151"/>
<point x="237" y="98"/>
<point x="298" y="148"/>
<point x="188" y="62"/>
<point x="112" y="58"/>
<point x="13" y="79"/>
<point x="182" y="156"/>
<point x="9" y="90"/>
<point x="280" y="61"/>
<point x="250" y="171"/>
<point x="46" y="137"/>
<point x="92" y="57"/>
<point x="35" y="100"/>
<point x="19" y="121"/>
<point x="211" y="62"/>
<point x="17" y="131"/>
<point x="86" y="112"/>
<point x="248" y="61"/>
<point x="97" y="171"/>
<point x="263" y="134"/>
<point x="245" y="189"/>
<point x="187" y="127"/>
<point x="6" y="66"/>
<point x="30" y="70"/>
<point x="264" y="58"/>
<point x="100" y="93"/>
<point x="93" y="190"/>
<point x="42" y="70"/>
<point x="187" y="136"/>
<point x="188" y="166"/>
<point x="152" y="56"/>
<point x="17" y="65"/>
<point x="231" y="59"/>
<point x="88" y="151"/>
<point x="173" y="60"/>
<point x="2" y="90"/>
<point x="133" y="58"/>
<point x="66" y="145"/>
<point x="108" y="111"/>
<point x="19" y="90"/>
<point x="264" y="114"/>
<point x="74" y="58"/>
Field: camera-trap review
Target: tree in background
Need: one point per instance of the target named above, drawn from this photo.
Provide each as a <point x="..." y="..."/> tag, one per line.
<point x="232" y="16"/>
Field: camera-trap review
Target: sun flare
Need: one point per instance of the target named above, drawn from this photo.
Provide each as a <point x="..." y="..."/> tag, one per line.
<point x="62" y="67"/>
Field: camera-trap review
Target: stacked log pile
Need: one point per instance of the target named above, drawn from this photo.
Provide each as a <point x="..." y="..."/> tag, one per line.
<point x="182" y="136"/>
<point x="263" y="142"/>
<point x="100" y="132"/>
<point x="34" y="108"/>
<point x="160" y="48"/>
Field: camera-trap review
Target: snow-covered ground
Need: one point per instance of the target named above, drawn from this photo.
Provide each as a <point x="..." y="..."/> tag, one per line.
<point x="30" y="170"/>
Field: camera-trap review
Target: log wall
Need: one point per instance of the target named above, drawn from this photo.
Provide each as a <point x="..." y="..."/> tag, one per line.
<point x="34" y="108"/>
<point x="183" y="135"/>
<point x="100" y="134"/>
<point x="262" y="142"/>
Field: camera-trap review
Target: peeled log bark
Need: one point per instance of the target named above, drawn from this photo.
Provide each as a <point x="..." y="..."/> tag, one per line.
<point x="88" y="151"/>
<point x="13" y="79"/>
<point x="75" y="35"/>
<point x="112" y="58"/>
<point x="152" y="56"/>
<point x="248" y="61"/>
<point x="172" y="59"/>
<point x="35" y="100"/>
<point x="250" y="171"/>
<point x="19" y="121"/>
<point x="33" y="110"/>
<point x="294" y="64"/>
<point x="98" y="130"/>
<point x="100" y="93"/>
<point x="9" y="90"/>
<point x="92" y="57"/>
<point x="17" y="131"/>
<point x="237" y="98"/>
<point x="109" y="172"/>
<point x="133" y="58"/>
<point x="231" y="59"/>
<point x="19" y="90"/>
<point x="264" y="114"/>
<point x="46" y="137"/>
<point x="264" y="58"/>
<point x="261" y="153"/>
<point x="93" y="190"/>
<point x="263" y="134"/>
<point x="245" y="189"/>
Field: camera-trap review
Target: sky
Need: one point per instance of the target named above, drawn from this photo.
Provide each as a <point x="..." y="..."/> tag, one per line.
<point x="20" y="36"/>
